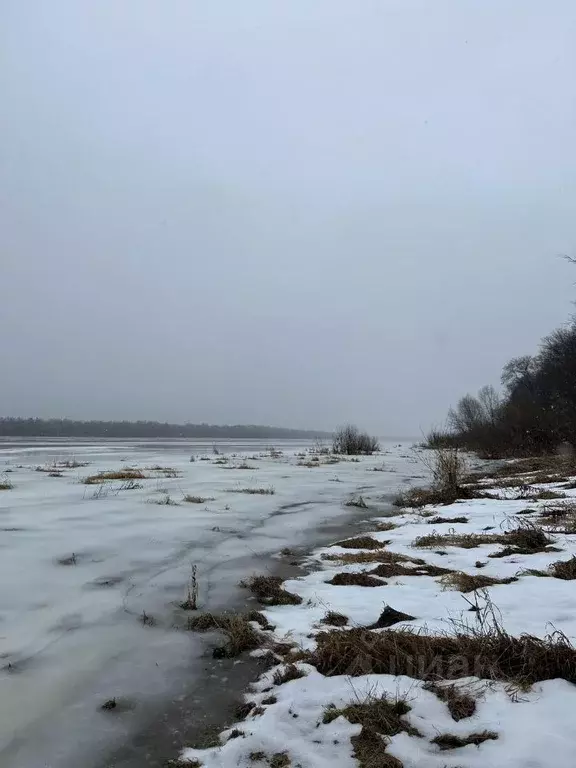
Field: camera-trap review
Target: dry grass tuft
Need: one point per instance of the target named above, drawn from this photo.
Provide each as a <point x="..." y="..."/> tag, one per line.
<point x="451" y="741"/>
<point x="268" y="591"/>
<point x="268" y="491"/>
<point x="545" y="495"/>
<point x="382" y="556"/>
<point x="6" y="485"/>
<point x="380" y="719"/>
<point x="448" y="469"/>
<point x="240" y="634"/>
<point x="120" y="474"/>
<point x="564" y="569"/>
<point x="388" y="570"/>
<point x="488" y="653"/>
<point x="357" y="501"/>
<point x="385" y="526"/>
<point x="439" y="520"/>
<point x="464" y="540"/>
<point x="541" y="465"/>
<point x="334" y="619"/>
<point x="369" y="749"/>
<point x="421" y="497"/>
<point x="525" y="538"/>
<point x="460" y="704"/>
<point x="465" y="582"/>
<point x="165" y="501"/>
<point x="561" y="569"/>
<point x="361" y="579"/>
<point x="279" y="760"/>
<point x="287" y="673"/>
<point x="361" y="542"/>
<point x="197" y="499"/>
<point x="560" y="517"/>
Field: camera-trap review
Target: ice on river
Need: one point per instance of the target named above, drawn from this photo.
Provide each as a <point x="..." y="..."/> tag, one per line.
<point x="85" y="569"/>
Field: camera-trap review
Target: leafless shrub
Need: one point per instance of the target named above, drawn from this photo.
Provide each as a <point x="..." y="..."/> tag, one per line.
<point x="349" y="441"/>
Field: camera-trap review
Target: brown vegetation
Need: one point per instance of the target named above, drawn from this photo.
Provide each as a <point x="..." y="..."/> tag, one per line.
<point x="380" y="718"/>
<point x="381" y="556"/>
<point x="268" y="491"/>
<point x="361" y="579"/>
<point x="120" y="474"/>
<point x="488" y="653"/>
<point x="361" y="542"/>
<point x="334" y="619"/>
<point x="561" y="569"/>
<point x="387" y="570"/>
<point x="287" y="673"/>
<point x="465" y="582"/>
<point x="451" y="741"/>
<point x="350" y="441"/>
<point x="240" y="634"/>
<point x="524" y="539"/>
<point x="460" y="704"/>
<point x="268" y="590"/>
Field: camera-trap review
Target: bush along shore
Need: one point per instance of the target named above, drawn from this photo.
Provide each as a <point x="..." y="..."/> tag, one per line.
<point x="442" y="637"/>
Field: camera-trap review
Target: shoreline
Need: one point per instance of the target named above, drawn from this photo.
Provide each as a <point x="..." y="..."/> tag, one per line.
<point x="427" y="588"/>
<point x="138" y="562"/>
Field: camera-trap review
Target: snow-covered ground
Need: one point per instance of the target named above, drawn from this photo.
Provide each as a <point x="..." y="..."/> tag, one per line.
<point x="83" y="568"/>
<point x="530" y="727"/>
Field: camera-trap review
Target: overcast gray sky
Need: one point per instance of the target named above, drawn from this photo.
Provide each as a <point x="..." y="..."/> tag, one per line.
<point x="297" y="213"/>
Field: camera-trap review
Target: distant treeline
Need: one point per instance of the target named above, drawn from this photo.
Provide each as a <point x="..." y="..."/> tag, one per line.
<point x="534" y="414"/>
<point x="18" y="427"/>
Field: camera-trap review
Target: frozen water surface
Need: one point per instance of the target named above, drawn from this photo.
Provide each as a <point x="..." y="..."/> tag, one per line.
<point x="91" y="575"/>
